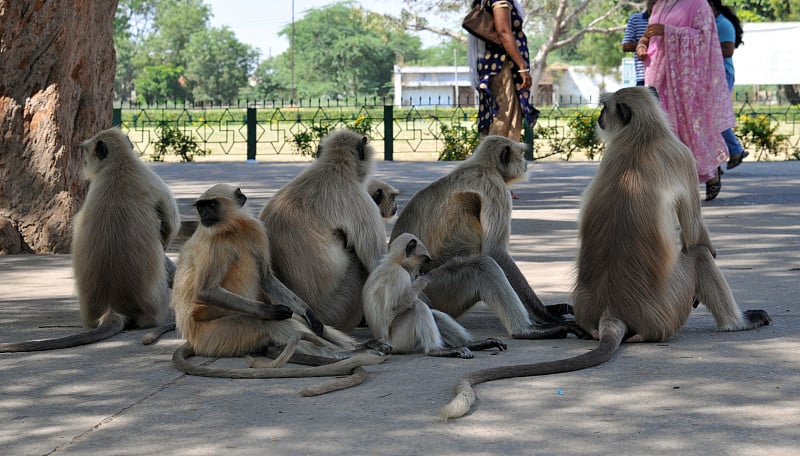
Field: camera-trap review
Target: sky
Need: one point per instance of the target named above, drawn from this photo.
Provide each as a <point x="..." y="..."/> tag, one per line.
<point x="257" y="22"/>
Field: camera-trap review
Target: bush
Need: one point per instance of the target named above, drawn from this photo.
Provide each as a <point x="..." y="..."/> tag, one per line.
<point x="172" y="139"/>
<point x="459" y="142"/>
<point x="757" y="132"/>
<point x="304" y="141"/>
<point x="584" y="137"/>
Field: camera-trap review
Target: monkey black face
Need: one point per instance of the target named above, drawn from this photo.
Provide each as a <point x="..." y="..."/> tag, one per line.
<point x="209" y="211"/>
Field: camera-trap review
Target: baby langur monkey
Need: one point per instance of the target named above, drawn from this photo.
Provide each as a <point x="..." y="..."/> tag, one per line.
<point x="120" y="233"/>
<point x="228" y="303"/>
<point x="384" y="196"/>
<point x="400" y="321"/>
<point x="637" y="275"/>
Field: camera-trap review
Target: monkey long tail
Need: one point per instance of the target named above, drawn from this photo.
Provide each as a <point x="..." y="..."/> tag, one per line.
<point x="343" y="367"/>
<point x="110" y="324"/>
<point x="612" y="332"/>
<point x="357" y="377"/>
<point x="157" y="332"/>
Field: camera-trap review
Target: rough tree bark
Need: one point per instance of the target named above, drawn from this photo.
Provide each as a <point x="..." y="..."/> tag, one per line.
<point x="57" y="64"/>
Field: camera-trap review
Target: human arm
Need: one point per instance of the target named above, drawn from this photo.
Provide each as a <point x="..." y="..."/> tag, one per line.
<point x="727" y="48"/>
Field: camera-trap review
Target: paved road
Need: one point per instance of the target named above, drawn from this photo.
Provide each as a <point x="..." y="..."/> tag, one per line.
<point x="702" y="392"/>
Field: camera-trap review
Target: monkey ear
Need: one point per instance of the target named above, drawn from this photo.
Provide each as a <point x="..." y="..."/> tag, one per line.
<point x="240" y="197"/>
<point x="411" y="246"/>
<point x="624" y="113"/>
<point x="601" y="121"/>
<point x="378" y="196"/>
<point x="654" y="92"/>
<point x="362" y="147"/>
<point x="101" y="150"/>
<point x="505" y="156"/>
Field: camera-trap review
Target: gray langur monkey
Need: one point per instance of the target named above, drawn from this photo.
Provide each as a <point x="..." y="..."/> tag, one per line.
<point x="637" y="274"/>
<point x="385" y="197"/>
<point x="464" y="219"/>
<point x="228" y="303"/>
<point x="399" y="320"/>
<point x="120" y="233"/>
<point x="326" y="233"/>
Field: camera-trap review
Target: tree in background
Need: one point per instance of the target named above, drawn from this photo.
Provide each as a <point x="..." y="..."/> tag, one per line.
<point x="163" y="46"/>
<point x="158" y="83"/>
<point x="218" y="65"/>
<point x="174" y="23"/>
<point x="550" y="24"/>
<point x="341" y="50"/>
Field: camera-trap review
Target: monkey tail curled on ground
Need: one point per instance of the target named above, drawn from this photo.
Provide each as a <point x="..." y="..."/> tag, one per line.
<point x="122" y="276"/>
<point x="646" y="180"/>
<point x="228" y="303"/>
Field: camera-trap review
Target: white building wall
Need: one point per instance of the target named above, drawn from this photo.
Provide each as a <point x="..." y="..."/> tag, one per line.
<point x="769" y="54"/>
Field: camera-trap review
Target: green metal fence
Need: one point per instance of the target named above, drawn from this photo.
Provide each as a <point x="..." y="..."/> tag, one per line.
<point x="279" y="130"/>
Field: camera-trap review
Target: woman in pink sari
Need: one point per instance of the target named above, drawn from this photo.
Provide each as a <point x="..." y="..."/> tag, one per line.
<point x="680" y="50"/>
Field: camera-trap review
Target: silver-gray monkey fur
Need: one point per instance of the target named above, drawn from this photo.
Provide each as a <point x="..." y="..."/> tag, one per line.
<point x="464" y="219"/>
<point x="120" y="233"/>
<point x="326" y="233"/>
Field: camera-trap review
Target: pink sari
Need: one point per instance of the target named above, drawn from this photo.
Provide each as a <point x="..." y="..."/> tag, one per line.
<point x="685" y="66"/>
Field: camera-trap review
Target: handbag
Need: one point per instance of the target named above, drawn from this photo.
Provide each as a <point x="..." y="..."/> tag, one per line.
<point x="480" y="23"/>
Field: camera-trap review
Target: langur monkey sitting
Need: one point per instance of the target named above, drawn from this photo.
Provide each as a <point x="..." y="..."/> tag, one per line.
<point x="326" y="233"/>
<point x="464" y="219"/>
<point x="120" y="233"/>
<point x="384" y="196"/>
<point x="228" y="303"/>
<point x="637" y="275"/>
<point x="398" y="318"/>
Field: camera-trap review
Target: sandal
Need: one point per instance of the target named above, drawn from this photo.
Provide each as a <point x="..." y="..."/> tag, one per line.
<point x="713" y="187"/>
<point x="734" y="162"/>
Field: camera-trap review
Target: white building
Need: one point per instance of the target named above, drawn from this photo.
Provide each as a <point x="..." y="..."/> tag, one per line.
<point x="769" y="54"/>
<point x="433" y="85"/>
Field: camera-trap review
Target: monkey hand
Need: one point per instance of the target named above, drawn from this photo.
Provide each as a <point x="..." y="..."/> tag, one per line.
<point x="421" y="282"/>
<point x="313" y="322"/>
<point x="273" y="312"/>
<point x="560" y="310"/>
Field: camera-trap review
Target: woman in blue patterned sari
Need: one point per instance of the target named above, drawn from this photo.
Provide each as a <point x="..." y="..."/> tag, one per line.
<point x="501" y="73"/>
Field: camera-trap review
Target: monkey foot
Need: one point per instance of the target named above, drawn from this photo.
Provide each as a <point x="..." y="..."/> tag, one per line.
<point x="379" y="346"/>
<point x="756" y="318"/>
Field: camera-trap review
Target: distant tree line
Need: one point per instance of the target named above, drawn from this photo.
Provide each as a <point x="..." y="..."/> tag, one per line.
<point x="167" y="49"/>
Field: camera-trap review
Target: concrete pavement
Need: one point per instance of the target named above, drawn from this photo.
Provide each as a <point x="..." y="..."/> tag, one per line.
<point x="702" y="392"/>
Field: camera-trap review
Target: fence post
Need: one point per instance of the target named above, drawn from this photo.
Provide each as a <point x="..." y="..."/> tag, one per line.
<point x="388" y="132"/>
<point x="252" y="123"/>
<point x="527" y="138"/>
<point x="116" y="117"/>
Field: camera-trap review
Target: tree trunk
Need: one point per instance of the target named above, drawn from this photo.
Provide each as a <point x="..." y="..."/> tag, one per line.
<point x="57" y="65"/>
<point x="791" y="94"/>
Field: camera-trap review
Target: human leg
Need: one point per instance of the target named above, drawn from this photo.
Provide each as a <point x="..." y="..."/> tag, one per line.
<point x="508" y="120"/>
